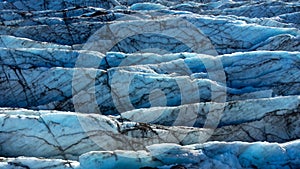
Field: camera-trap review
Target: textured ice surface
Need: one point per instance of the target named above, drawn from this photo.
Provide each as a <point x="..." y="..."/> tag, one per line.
<point x="68" y="135"/>
<point x="145" y="83"/>
<point x="265" y="74"/>
<point x="207" y="155"/>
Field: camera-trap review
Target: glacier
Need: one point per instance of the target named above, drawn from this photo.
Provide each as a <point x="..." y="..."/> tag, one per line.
<point x="149" y="84"/>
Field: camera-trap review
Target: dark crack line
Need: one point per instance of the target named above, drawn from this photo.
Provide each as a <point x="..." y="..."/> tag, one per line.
<point x="59" y="146"/>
